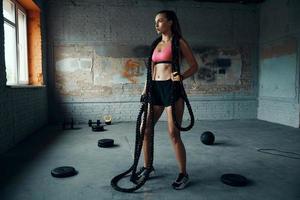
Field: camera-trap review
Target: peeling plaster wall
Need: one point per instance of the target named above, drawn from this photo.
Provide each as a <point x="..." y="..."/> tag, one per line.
<point x="22" y="110"/>
<point x="97" y="52"/>
<point x="278" y="99"/>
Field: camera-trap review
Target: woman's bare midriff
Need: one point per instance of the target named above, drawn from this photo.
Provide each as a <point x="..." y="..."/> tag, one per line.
<point x="161" y="72"/>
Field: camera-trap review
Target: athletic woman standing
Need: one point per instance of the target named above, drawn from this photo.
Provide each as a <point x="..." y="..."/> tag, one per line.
<point x="163" y="81"/>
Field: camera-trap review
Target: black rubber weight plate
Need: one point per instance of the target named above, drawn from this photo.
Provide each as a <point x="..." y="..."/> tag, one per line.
<point x="106" y="143"/>
<point x="64" y="171"/>
<point x="234" y="179"/>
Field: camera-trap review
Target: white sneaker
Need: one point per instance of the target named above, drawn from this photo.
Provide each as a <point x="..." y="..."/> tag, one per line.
<point x="181" y="181"/>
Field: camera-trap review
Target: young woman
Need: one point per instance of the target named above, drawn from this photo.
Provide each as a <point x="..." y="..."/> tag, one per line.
<point x="167" y="25"/>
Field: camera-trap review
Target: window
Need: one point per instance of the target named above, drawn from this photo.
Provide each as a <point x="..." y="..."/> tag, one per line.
<point x="15" y="43"/>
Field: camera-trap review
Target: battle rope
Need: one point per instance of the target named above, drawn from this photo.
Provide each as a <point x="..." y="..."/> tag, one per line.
<point x="147" y="99"/>
<point x="176" y="68"/>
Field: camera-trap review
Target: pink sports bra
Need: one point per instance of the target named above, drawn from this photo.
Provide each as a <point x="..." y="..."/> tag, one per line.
<point x="164" y="56"/>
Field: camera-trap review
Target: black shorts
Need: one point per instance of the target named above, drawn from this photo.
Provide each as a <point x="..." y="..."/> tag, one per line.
<point x="162" y="92"/>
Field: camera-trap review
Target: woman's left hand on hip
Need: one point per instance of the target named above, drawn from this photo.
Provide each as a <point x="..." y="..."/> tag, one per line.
<point x="175" y="76"/>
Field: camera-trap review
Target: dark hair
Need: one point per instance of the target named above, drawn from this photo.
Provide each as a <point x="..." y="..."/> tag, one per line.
<point x="171" y="15"/>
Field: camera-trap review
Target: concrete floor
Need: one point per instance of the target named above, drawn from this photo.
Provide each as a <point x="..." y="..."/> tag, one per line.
<point x="25" y="170"/>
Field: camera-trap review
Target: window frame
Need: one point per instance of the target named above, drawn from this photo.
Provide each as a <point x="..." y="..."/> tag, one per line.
<point x="16" y="25"/>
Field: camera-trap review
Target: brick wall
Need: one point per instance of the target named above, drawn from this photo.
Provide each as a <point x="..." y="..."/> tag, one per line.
<point x="218" y="109"/>
<point x="93" y="37"/>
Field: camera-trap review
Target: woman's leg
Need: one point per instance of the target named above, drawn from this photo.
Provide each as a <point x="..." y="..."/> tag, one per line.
<point x="174" y="134"/>
<point x="157" y="111"/>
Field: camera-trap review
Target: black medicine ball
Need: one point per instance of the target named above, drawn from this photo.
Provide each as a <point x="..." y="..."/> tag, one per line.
<point x="207" y="138"/>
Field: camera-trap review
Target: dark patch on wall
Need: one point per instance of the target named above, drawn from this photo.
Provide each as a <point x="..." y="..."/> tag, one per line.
<point x="142" y="51"/>
<point x="120" y="51"/>
<point x="201" y="49"/>
<point x="214" y="61"/>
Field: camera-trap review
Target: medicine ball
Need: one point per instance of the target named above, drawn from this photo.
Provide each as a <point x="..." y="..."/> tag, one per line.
<point x="207" y="138"/>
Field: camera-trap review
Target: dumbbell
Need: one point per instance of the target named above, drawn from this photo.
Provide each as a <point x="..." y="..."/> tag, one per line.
<point x="98" y="128"/>
<point x="91" y="122"/>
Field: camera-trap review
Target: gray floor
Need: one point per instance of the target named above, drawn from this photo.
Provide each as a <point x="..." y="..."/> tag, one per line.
<point x="25" y="170"/>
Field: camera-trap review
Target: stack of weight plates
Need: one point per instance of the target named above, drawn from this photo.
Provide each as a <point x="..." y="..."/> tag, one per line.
<point x="106" y="143"/>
